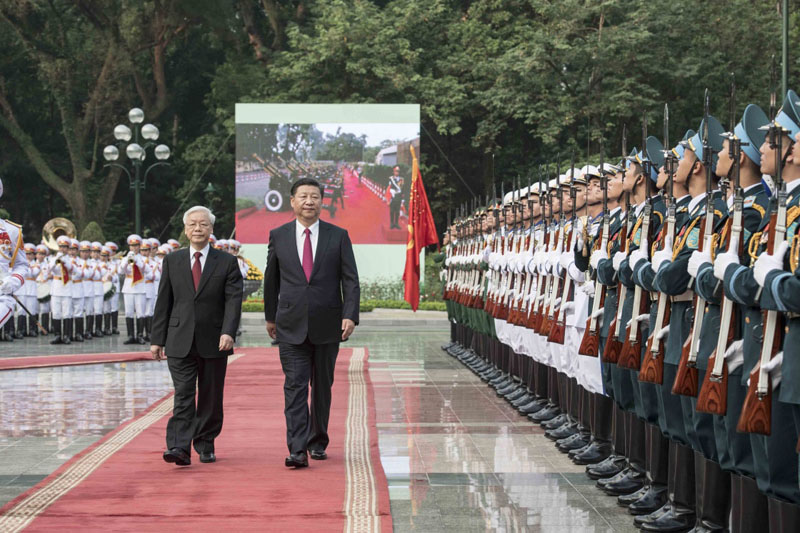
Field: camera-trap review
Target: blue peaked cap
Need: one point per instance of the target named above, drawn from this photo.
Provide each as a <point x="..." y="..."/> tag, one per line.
<point x="749" y="130"/>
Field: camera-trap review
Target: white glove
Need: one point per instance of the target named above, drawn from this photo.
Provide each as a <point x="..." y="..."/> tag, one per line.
<point x="619" y="257"/>
<point x="766" y="263"/>
<point x="597" y="256"/>
<point x="636" y="256"/>
<point x="576" y="275"/>
<point x="773" y="368"/>
<point x="734" y="355"/>
<point x="597" y="314"/>
<point x="556" y="303"/>
<point x="644" y="319"/>
<point x="566" y="259"/>
<point x="663" y="332"/>
<point x="661" y="257"/>
<point x="9" y="285"/>
<point x="722" y="262"/>
<point x="568" y="306"/>
<point x="530" y="265"/>
<point x="697" y="260"/>
<point x="587" y="288"/>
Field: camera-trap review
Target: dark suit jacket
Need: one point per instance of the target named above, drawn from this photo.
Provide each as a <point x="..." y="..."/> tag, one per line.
<point x="315" y="308"/>
<point x="183" y="316"/>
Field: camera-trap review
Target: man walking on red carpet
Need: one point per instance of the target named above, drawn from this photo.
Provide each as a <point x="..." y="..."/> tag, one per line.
<point x="194" y="324"/>
<point x="311" y="303"/>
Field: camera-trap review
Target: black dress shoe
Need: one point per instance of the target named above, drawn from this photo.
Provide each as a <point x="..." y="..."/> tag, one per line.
<point x="595" y="453"/>
<point x="318" y="455"/>
<point x="534" y="406"/>
<point x="676" y="519"/>
<point x="562" y="432"/>
<point x="640" y="520"/>
<point x="627" y="499"/>
<point x="208" y="457"/>
<point x="297" y="460"/>
<point x="632" y="482"/>
<point x="612" y="466"/>
<point x="557" y="421"/>
<point x="548" y="413"/>
<point x="601" y="483"/>
<point x="177" y="456"/>
<point x="654" y="498"/>
<point x="575" y="442"/>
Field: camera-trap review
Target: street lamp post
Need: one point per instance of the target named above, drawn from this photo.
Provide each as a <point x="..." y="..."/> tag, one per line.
<point x="137" y="154"/>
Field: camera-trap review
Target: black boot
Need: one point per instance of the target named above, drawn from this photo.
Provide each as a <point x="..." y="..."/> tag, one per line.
<point x="139" y="330"/>
<point x="681" y="515"/>
<point x="115" y="323"/>
<point x="107" y="324"/>
<point x="46" y="322"/>
<point x="66" y="325"/>
<point x="129" y="327"/>
<point x="87" y="333"/>
<point x="98" y="326"/>
<point x="8" y="330"/>
<point x="713" y="496"/>
<point x="57" y="331"/>
<point x="77" y="335"/>
<point x="783" y="516"/>
<point x="33" y="331"/>
<point x="148" y="324"/>
<point x="750" y="507"/>
<point x="21" y="323"/>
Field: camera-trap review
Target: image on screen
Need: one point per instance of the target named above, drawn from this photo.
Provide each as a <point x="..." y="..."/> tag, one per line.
<point x="364" y="168"/>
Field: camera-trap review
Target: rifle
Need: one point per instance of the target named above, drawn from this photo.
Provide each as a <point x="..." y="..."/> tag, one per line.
<point x="590" y="344"/>
<point x="535" y="315"/>
<point x="686" y="378"/>
<point x="555" y="279"/>
<point x="713" y="397"/>
<point x="613" y="344"/>
<point x="521" y="301"/>
<point x="558" y="329"/>
<point x="632" y="349"/>
<point x="544" y="280"/>
<point x="756" y="414"/>
<point x="529" y="302"/>
<point x="652" y="370"/>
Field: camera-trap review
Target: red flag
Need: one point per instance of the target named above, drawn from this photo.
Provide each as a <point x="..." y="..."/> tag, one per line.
<point x="421" y="233"/>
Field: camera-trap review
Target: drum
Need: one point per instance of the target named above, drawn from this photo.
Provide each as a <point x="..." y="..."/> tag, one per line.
<point x="43" y="292"/>
<point x="108" y="290"/>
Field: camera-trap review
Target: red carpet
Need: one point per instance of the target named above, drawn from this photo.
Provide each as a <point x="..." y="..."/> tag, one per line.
<point x="122" y="484"/>
<point x="37" y="361"/>
<point x="365" y="216"/>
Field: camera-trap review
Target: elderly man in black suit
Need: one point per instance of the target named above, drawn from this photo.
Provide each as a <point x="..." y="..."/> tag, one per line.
<point x="194" y="325"/>
<point x="311" y="301"/>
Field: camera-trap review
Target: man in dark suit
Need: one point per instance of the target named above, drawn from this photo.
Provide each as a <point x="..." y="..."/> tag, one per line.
<point x="311" y="301"/>
<point x="196" y="316"/>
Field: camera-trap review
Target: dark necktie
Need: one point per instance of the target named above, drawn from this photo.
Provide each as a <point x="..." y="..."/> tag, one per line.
<point x="308" y="256"/>
<point x="197" y="270"/>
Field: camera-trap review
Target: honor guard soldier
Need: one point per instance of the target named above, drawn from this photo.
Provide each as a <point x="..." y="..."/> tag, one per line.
<point x="95" y="325"/>
<point x="148" y="254"/>
<point x="174" y="244"/>
<point x="212" y="240"/>
<point x="109" y="273"/>
<point x="78" y="266"/>
<point x="133" y="291"/>
<point x="26" y="326"/>
<point x="396" y="198"/>
<point x="773" y="445"/>
<point x="87" y="286"/>
<point x="13" y="266"/>
<point x="116" y="275"/>
<point x="61" y="268"/>
<point x="43" y="283"/>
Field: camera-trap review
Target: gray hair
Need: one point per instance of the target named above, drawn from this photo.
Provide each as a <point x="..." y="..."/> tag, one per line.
<point x="195" y="209"/>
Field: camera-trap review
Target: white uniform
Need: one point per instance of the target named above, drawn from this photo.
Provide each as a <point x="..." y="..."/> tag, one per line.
<point x="13" y="267"/>
<point x="134" y="291"/>
<point x="78" y="267"/>
<point x="150" y="267"/>
<point x="60" y="269"/>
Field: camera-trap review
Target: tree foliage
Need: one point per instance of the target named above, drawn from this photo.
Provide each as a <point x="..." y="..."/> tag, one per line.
<point x="504" y="86"/>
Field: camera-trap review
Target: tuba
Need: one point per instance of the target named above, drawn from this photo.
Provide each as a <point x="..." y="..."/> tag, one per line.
<point x="56" y="227"/>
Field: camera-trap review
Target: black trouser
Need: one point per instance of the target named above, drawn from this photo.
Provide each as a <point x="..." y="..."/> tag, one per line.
<point x="303" y="365"/>
<point x="203" y="422"/>
<point x="394" y="211"/>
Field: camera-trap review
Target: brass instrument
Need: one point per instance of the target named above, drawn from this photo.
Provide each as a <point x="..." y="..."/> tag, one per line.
<point x="55" y="228"/>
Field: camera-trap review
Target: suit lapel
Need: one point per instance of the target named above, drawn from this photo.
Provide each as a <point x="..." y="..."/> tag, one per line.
<point x="322" y="245"/>
<point x="208" y="269"/>
<point x="184" y="260"/>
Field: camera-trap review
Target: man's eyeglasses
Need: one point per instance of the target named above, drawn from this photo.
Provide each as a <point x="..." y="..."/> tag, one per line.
<point x="201" y="225"/>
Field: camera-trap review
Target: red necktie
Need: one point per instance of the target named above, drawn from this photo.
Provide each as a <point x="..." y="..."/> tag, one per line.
<point x="197" y="270"/>
<point x="308" y="256"/>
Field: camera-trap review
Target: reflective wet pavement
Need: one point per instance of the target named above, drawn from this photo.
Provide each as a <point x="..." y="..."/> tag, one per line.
<point x="456" y="457"/>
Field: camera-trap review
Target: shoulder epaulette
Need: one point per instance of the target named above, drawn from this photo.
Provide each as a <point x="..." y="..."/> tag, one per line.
<point x="14" y="224"/>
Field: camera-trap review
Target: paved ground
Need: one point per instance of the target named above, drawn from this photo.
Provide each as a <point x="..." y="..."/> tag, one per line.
<point x="457" y="458"/>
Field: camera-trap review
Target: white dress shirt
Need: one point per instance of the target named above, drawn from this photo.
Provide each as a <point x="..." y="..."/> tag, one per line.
<point x="300" y="232"/>
<point x="203" y="257"/>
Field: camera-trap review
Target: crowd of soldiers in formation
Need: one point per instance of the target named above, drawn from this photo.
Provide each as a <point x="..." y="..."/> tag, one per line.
<point x="74" y="293"/>
<point x="647" y="315"/>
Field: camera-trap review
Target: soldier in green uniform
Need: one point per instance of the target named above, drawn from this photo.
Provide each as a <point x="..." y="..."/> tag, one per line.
<point x="731" y="456"/>
<point x="775" y="456"/>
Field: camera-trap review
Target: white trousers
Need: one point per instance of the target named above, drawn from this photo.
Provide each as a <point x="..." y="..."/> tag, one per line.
<point x="7" y="305"/>
<point x="61" y="307"/>
<point x="135" y="305"/>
